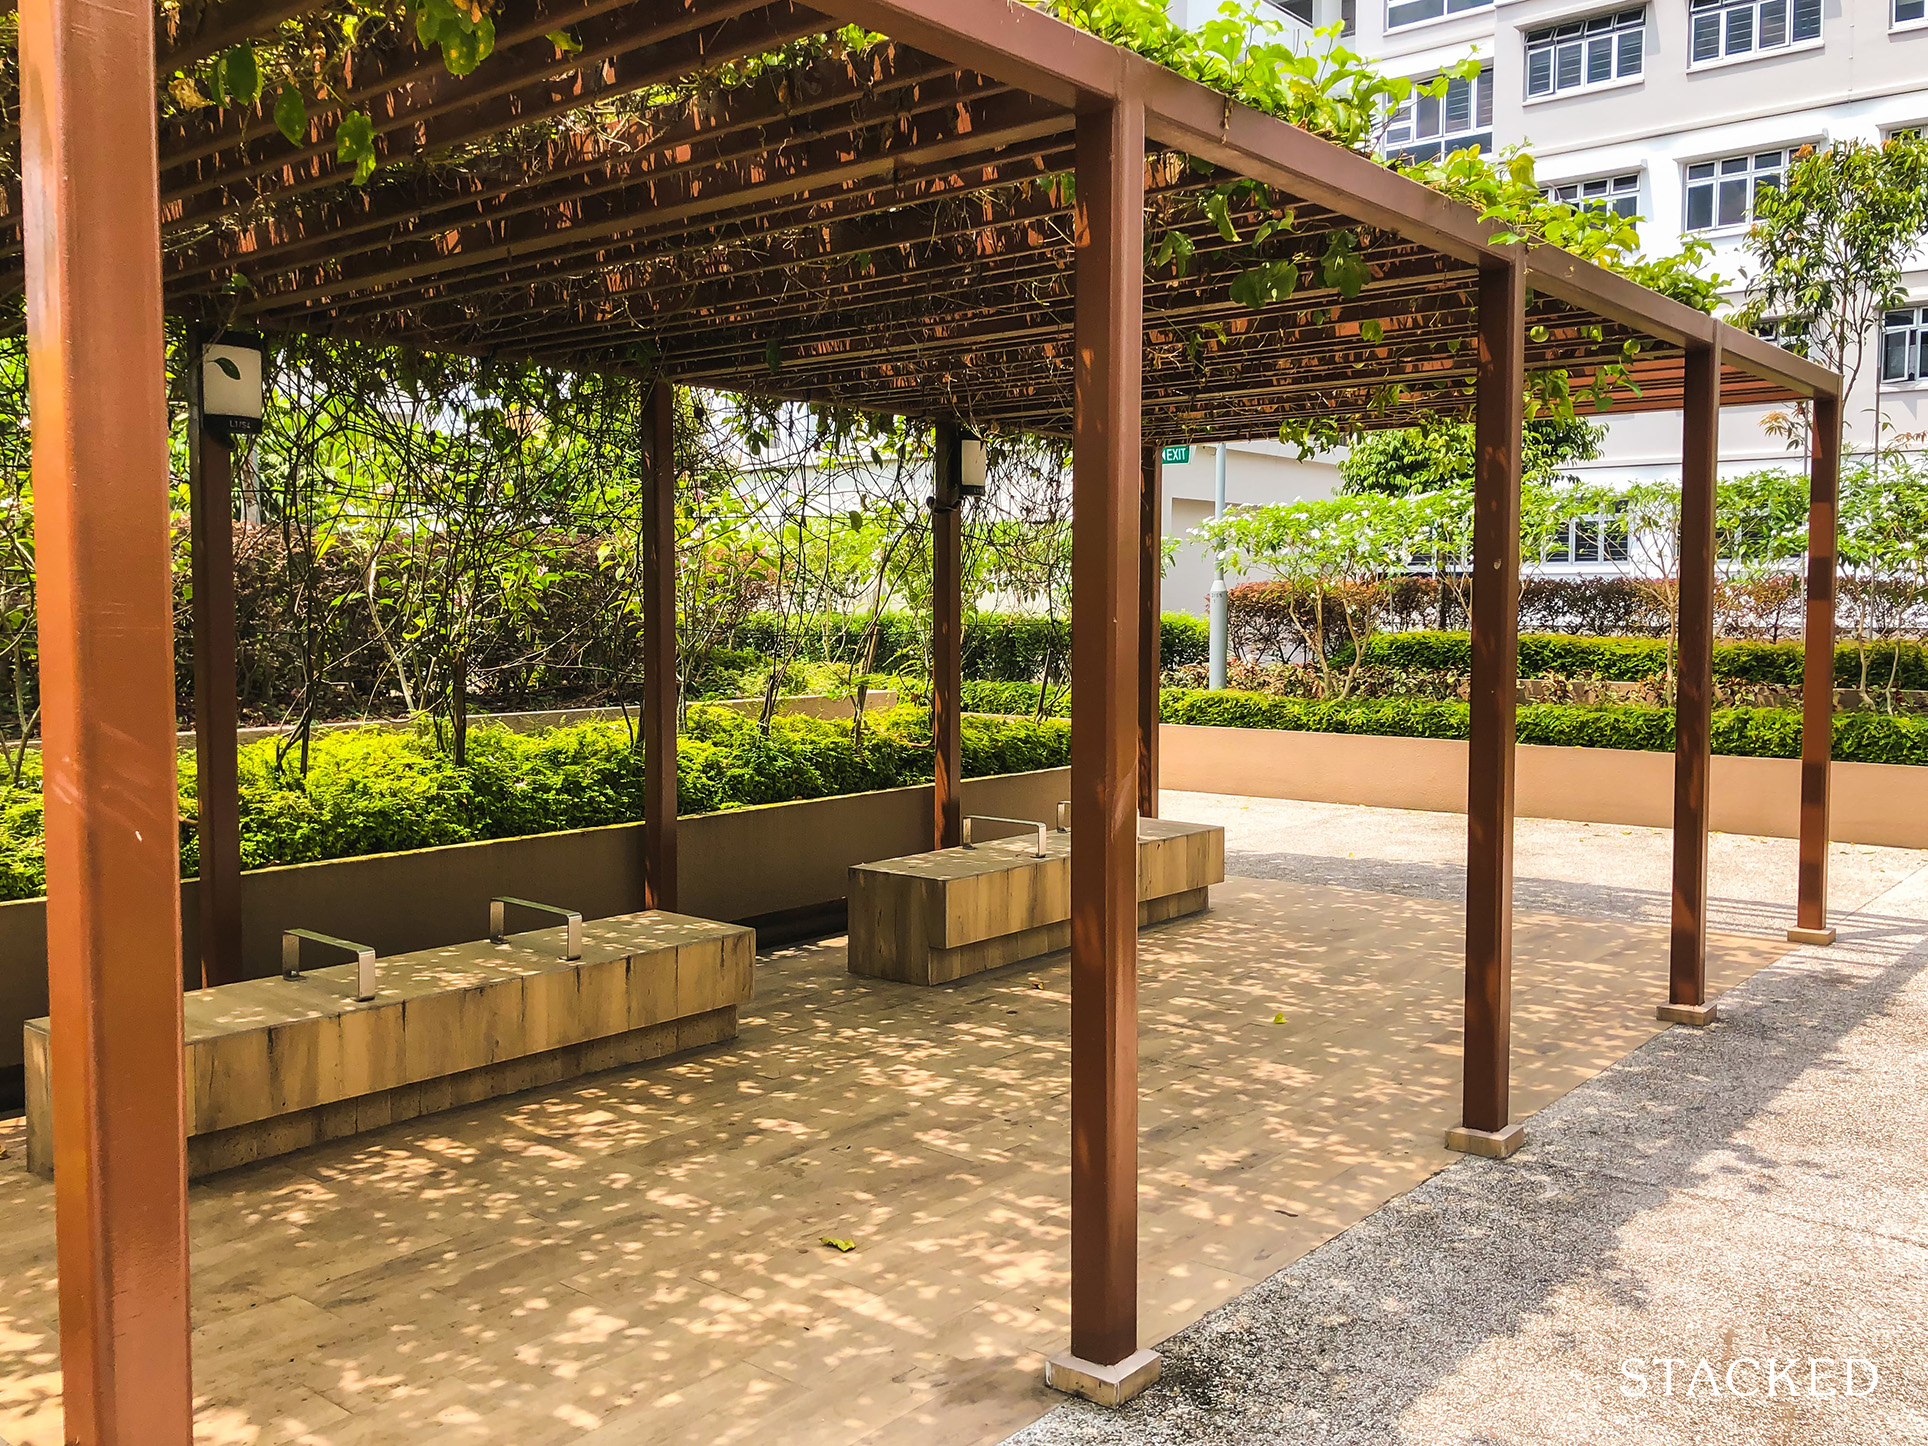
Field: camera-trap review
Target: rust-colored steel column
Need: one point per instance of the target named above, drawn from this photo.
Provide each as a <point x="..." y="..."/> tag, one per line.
<point x="93" y="259"/>
<point x="659" y="654"/>
<point x="217" y="714"/>
<point x="1495" y="667"/>
<point x="1151" y="559"/>
<point x="947" y="638"/>
<point x="1108" y="228"/>
<point x="1694" y="689"/>
<point x="1817" y="678"/>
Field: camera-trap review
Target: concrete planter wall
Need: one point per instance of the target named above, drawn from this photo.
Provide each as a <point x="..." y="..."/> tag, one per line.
<point x="1874" y="803"/>
<point x="744" y="864"/>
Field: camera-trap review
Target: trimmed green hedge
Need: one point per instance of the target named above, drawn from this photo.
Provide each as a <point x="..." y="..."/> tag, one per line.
<point x="1747" y="732"/>
<point x="379" y="791"/>
<point x="1631" y="659"/>
<point x="1015" y="698"/>
<point x="998" y="647"/>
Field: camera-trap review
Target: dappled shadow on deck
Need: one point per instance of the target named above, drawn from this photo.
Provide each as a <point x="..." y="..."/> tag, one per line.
<point x="640" y="1257"/>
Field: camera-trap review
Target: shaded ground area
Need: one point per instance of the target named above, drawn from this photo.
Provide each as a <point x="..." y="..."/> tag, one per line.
<point x="639" y="1257"/>
<point x="1758" y="1190"/>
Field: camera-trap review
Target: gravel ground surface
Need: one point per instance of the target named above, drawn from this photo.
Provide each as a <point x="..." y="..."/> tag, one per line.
<point x="1689" y="1248"/>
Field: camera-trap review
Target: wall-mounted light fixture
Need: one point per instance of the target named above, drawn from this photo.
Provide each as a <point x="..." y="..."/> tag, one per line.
<point x="960" y="469"/>
<point x="973" y="464"/>
<point x="231" y="385"/>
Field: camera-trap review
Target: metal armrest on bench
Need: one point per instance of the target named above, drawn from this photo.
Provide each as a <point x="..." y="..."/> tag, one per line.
<point x="292" y="940"/>
<point x="1032" y="823"/>
<point x="572" y="945"/>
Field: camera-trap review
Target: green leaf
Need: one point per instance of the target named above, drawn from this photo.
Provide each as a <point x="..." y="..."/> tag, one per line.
<point x="355" y="141"/>
<point x="1216" y="207"/>
<point x="843" y="1247"/>
<point x="228" y="368"/>
<point x="1275" y="281"/>
<point x="291" y="114"/>
<point x="241" y="74"/>
<point x="564" y="42"/>
<point x="1342" y="268"/>
<point x="1176" y="248"/>
<point x="465" y="40"/>
<point x="463" y="51"/>
<point x="1372" y="330"/>
<point x="773" y="357"/>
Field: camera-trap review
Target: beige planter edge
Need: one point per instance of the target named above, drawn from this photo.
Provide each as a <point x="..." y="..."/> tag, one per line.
<point x="1874" y="803"/>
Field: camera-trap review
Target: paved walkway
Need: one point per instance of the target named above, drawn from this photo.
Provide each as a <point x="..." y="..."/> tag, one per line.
<point x="639" y="1258"/>
<point x="1754" y="1197"/>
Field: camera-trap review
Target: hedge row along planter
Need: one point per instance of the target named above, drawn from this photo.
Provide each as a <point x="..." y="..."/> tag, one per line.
<point x="375" y="790"/>
<point x="1899" y="665"/>
<point x="1737" y="732"/>
<point x="1740" y="732"/>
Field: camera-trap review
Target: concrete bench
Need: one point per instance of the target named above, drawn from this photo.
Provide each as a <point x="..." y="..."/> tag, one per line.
<point x="274" y="1065"/>
<point x="933" y="918"/>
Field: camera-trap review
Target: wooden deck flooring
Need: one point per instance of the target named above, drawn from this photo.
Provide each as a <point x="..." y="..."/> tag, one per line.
<point x="638" y="1257"/>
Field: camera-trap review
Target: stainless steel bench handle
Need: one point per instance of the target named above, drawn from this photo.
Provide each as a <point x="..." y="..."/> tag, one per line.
<point x="498" y="908"/>
<point x="1064" y="815"/>
<point x="293" y="939"/>
<point x="971" y="818"/>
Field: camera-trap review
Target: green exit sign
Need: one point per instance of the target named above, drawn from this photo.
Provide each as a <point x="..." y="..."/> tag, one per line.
<point x="1176" y="454"/>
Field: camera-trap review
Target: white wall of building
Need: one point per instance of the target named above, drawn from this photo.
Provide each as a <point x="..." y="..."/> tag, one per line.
<point x="1863" y="77"/>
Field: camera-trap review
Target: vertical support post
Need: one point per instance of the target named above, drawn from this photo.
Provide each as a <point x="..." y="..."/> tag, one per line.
<point x="1694" y="690"/>
<point x="1151" y="637"/>
<point x="1221" y="598"/>
<point x="1817" y="676"/>
<point x="210" y="491"/>
<point x="1486" y="1126"/>
<point x="947" y="639"/>
<point x="659" y="653"/>
<point x="1108" y="224"/>
<point x="93" y="285"/>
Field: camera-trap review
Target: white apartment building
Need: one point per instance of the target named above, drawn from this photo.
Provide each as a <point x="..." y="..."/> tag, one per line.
<point x="1674" y="111"/>
<point x="1678" y="111"/>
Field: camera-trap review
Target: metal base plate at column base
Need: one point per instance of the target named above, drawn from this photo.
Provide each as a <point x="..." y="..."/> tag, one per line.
<point x="1810" y="936"/>
<point x="1494" y="1144"/>
<point x="1105" y="1385"/>
<point x="1698" y="1015"/>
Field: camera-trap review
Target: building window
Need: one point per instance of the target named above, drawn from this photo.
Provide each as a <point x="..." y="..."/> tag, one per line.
<point x="1724" y="28"/>
<point x="1904" y="345"/>
<point x="1722" y="193"/>
<point x="1427" y="127"/>
<point x="1618" y="194"/>
<point x="1907" y="10"/>
<point x="1601" y="537"/>
<point x="1787" y="335"/>
<point x="1585" y="53"/>
<point x="1411" y="12"/>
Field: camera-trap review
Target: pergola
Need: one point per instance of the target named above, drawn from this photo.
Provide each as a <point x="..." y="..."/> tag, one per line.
<point x="893" y="229"/>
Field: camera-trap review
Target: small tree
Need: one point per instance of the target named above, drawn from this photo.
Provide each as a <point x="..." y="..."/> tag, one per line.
<point x="1884" y="549"/>
<point x="1830" y="244"/>
<point x="1335" y="555"/>
<point x="1426" y="459"/>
